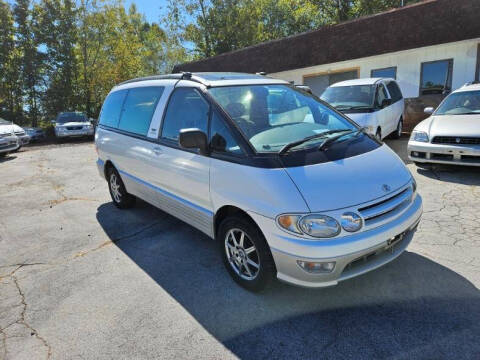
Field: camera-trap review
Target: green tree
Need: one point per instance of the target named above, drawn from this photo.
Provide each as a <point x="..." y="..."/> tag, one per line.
<point x="11" y="101"/>
<point x="31" y="64"/>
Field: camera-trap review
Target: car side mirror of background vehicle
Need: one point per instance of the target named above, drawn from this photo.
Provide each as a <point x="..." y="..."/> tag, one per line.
<point x="386" y="102"/>
<point x="429" y="110"/>
<point x="193" y="139"/>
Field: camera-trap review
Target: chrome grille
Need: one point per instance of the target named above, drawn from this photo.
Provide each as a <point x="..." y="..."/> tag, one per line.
<point x="456" y="140"/>
<point x="385" y="209"/>
<point x="74" y="127"/>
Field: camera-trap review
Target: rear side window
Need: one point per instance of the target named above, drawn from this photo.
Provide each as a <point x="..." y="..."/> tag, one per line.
<point x="394" y="91"/>
<point x="112" y="108"/>
<point x="186" y="109"/>
<point x="381" y="95"/>
<point x="138" y="109"/>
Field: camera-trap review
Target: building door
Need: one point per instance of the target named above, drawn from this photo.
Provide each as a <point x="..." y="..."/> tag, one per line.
<point x="318" y="83"/>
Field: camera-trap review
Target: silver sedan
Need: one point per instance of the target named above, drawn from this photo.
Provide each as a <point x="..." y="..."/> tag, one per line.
<point x="451" y="135"/>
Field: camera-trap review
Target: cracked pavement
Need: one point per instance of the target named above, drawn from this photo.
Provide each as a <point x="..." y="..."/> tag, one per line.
<point x="80" y="279"/>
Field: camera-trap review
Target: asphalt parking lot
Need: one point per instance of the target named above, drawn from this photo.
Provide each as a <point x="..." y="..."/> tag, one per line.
<point x="80" y="279"/>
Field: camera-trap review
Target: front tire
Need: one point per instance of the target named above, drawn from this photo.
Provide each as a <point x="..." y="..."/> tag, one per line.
<point x="120" y="197"/>
<point x="245" y="253"/>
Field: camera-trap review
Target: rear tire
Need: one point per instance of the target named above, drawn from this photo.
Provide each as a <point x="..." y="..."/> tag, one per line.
<point x="120" y="197"/>
<point x="398" y="131"/>
<point x="246" y="257"/>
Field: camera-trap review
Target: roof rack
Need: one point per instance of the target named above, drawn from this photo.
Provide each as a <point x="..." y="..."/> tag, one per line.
<point x="179" y="76"/>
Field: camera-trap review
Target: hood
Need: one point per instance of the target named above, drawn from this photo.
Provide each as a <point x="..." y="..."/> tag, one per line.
<point x="351" y="181"/>
<point x="451" y="125"/>
<point x="8" y="129"/>
<point x="73" y="123"/>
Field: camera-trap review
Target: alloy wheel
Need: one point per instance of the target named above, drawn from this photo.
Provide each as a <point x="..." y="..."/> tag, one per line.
<point x="242" y="254"/>
<point x="115" y="188"/>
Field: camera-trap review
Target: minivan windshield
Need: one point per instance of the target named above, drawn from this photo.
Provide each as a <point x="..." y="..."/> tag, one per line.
<point x="274" y="116"/>
<point x="350" y="97"/>
<point x="71" y="117"/>
<point x="460" y="103"/>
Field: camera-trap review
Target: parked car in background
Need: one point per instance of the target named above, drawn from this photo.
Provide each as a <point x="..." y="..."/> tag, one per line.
<point x="374" y="103"/>
<point x="36" y="134"/>
<point x="451" y="135"/>
<point x="8" y="126"/>
<point x="288" y="186"/>
<point x="9" y="142"/>
<point x="73" y="124"/>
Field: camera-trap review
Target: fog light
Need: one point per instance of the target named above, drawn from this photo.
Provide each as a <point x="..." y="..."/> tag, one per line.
<point x="415" y="153"/>
<point x="317" y="267"/>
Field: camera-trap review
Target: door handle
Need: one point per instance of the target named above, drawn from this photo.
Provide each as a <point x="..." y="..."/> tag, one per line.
<point x="157" y="150"/>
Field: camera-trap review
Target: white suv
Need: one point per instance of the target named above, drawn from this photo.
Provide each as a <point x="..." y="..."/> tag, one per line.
<point x="288" y="186"/>
<point x="375" y="103"/>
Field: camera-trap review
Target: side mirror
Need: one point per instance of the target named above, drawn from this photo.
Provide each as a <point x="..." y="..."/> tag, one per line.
<point x="193" y="139"/>
<point x="429" y="110"/>
<point x="324" y="118"/>
<point x="386" y="102"/>
<point x="304" y="88"/>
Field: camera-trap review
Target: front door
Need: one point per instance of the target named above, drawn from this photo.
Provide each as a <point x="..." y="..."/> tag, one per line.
<point x="181" y="175"/>
<point x="382" y="112"/>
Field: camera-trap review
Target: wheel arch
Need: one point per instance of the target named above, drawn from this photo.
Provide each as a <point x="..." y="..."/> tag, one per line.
<point x="229" y="210"/>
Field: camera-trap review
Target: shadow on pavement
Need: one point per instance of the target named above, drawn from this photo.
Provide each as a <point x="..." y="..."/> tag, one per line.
<point x="7" y="157"/>
<point x="410" y="308"/>
<point x="458" y="174"/>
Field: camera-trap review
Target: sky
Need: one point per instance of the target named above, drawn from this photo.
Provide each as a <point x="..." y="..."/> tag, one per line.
<point x="150" y="8"/>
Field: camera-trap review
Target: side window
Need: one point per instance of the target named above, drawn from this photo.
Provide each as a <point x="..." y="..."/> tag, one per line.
<point x="381" y="95"/>
<point x="221" y="139"/>
<point x="390" y="72"/>
<point x="436" y="77"/>
<point x="111" y="109"/>
<point x="138" y="109"/>
<point x="394" y="91"/>
<point x="186" y="109"/>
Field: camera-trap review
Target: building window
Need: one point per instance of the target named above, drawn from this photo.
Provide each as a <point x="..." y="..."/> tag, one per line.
<point x="436" y="77"/>
<point x="390" y="72"/>
<point x="319" y="82"/>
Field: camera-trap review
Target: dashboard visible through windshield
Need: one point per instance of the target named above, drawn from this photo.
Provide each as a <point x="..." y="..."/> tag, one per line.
<point x="274" y="116"/>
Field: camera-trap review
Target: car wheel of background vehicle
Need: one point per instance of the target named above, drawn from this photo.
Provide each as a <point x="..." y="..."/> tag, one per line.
<point x="16" y="150"/>
<point x="3" y="154"/>
<point x="378" y="134"/>
<point x="398" y="132"/>
<point x="245" y="253"/>
<point x="121" y="198"/>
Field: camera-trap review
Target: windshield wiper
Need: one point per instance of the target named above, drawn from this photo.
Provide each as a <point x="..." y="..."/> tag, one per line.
<point x="332" y="139"/>
<point x="288" y="146"/>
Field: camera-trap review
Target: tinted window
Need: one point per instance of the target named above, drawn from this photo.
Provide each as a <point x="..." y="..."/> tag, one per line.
<point x="71" y="117"/>
<point x="390" y="72"/>
<point x="111" y="108"/>
<point x="186" y="109"/>
<point x="436" y="77"/>
<point x="221" y="139"/>
<point x="394" y="91"/>
<point x="138" y="109"/>
<point x="381" y="95"/>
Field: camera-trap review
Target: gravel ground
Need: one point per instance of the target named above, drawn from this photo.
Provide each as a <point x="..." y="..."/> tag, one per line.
<point x="80" y="279"/>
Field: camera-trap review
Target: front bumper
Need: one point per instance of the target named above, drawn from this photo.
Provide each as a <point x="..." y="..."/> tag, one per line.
<point x="353" y="255"/>
<point x="75" y="133"/>
<point x="444" y="153"/>
<point x="8" y="144"/>
<point x="24" y="139"/>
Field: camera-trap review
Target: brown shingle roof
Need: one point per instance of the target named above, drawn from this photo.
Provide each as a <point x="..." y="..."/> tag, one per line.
<point x="428" y="23"/>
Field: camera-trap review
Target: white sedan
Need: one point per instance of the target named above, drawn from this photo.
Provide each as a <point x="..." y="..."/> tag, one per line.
<point x="451" y="135"/>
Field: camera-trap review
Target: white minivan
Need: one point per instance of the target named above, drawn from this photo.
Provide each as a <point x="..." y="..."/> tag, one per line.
<point x="374" y="103"/>
<point x="287" y="186"/>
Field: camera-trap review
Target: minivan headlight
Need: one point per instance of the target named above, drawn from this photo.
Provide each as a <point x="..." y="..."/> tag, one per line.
<point x="289" y="223"/>
<point x="320" y="226"/>
<point x="420" y="136"/>
<point x="351" y="222"/>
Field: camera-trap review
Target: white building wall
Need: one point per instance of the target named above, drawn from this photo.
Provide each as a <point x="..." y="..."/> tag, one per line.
<point x="408" y="63"/>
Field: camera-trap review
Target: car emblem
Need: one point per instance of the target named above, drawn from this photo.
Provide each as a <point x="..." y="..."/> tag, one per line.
<point x="457" y="140"/>
<point x="386" y="188"/>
